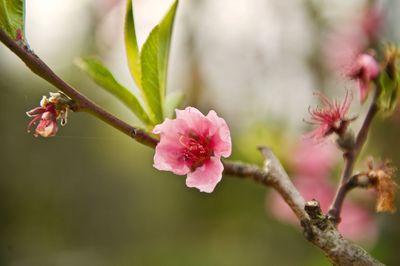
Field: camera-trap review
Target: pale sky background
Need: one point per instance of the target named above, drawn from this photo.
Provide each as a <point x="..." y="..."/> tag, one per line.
<point x="251" y="52"/>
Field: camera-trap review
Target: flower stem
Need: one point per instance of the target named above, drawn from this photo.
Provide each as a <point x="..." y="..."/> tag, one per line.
<point x="350" y="158"/>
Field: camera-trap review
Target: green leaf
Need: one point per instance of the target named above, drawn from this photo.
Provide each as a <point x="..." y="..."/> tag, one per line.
<point x="150" y="76"/>
<point x="173" y="100"/>
<point x="165" y="34"/>
<point x="131" y="45"/>
<point x="389" y="95"/>
<point x="154" y="64"/>
<point x="12" y="16"/>
<point x="103" y="77"/>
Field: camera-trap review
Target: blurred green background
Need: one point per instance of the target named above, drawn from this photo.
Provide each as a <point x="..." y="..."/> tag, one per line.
<point x="90" y="196"/>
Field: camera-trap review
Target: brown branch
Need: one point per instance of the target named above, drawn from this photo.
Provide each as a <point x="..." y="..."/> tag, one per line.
<point x="327" y="238"/>
<point x="318" y="229"/>
<point x="82" y="103"/>
<point x="350" y="158"/>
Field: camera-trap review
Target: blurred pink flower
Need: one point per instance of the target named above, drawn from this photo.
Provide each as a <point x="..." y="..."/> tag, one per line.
<point x="358" y="224"/>
<point x="310" y="188"/>
<point x="46" y="115"/>
<point x="342" y="47"/>
<point x="331" y="118"/>
<point x="372" y="21"/>
<point x="193" y="144"/>
<point x="364" y="70"/>
<point x="314" y="159"/>
<point x="312" y="165"/>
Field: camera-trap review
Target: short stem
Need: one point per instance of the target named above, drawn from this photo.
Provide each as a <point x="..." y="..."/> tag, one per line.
<point x="350" y="158"/>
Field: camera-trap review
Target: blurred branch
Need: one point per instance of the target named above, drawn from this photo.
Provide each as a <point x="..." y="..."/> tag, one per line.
<point x="350" y="158"/>
<point x="318" y="229"/>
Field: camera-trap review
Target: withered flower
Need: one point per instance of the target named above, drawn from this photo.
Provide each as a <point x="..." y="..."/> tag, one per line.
<point x="381" y="179"/>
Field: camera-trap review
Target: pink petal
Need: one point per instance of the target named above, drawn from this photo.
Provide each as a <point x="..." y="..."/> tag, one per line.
<point x="221" y="137"/>
<point x="314" y="160"/>
<point x="195" y="120"/>
<point x="168" y="157"/>
<point x="36" y="111"/>
<point x="206" y="177"/>
<point x="363" y="86"/>
<point x="171" y="129"/>
<point x="46" y="128"/>
<point x="369" y="64"/>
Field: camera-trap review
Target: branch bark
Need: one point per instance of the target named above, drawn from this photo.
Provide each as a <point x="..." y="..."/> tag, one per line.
<point x="350" y="158"/>
<point x="318" y="229"/>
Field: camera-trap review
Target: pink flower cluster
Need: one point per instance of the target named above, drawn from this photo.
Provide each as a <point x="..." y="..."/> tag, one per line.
<point x="46" y="115"/>
<point x="312" y="165"/>
<point x="192" y="145"/>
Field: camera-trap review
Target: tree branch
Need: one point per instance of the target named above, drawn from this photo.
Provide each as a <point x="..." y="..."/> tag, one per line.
<point x="350" y="158"/>
<point x="318" y="229"/>
<point x="82" y="103"/>
<point x="327" y="238"/>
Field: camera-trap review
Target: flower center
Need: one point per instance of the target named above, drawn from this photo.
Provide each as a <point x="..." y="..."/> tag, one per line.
<point x="196" y="149"/>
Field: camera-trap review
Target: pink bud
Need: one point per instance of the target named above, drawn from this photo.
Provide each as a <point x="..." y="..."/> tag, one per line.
<point x="364" y="70"/>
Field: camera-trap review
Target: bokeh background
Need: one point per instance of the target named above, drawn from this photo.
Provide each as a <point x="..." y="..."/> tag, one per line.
<point x="90" y="196"/>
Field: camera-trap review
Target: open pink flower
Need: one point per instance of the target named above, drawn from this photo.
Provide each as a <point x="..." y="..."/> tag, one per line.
<point x="193" y="144"/>
<point x="364" y="70"/>
<point x="331" y="118"/>
<point x="46" y="115"/>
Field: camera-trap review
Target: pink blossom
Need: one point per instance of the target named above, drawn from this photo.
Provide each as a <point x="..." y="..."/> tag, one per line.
<point x="331" y="118"/>
<point x="46" y="115"/>
<point x="192" y="145"/>
<point x="364" y="70"/>
<point x="342" y="47"/>
<point x="372" y="21"/>
<point x="314" y="159"/>
<point x="310" y="188"/>
<point x="358" y="223"/>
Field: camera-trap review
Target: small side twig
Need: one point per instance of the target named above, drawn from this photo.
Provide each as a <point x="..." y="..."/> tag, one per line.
<point x="350" y="158"/>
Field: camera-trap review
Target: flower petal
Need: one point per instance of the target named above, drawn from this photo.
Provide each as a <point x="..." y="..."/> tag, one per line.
<point x="222" y="137"/>
<point x="168" y="158"/>
<point x="195" y="120"/>
<point x="206" y="177"/>
<point x="46" y="128"/>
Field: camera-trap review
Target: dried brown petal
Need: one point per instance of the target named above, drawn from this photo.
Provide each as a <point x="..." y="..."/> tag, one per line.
<point x="382" y="180"/>
<point x="386" y="188"/>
